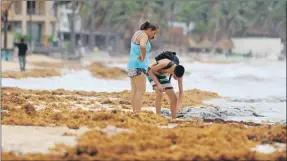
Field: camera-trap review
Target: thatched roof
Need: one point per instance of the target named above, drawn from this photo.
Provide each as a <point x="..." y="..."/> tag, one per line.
<point x="224" y="44"/>
<point x="205" y="43"/>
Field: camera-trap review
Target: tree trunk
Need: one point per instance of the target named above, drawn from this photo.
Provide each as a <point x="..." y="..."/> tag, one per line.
<point x="82" y="32"/>
<point x="281" y="32"/>
<point x="170" y="36"/>
<point x="6" y="24"/>
<point x="215" y="32"/>
<point x="111" y="4"/>
<point x="92" y="26"/>
<point x="72" y="28"/>
<point x="30" y="27"/>
<point x="5" y="29"/>
<point x="144" y="15"/>
<point x="283" y="52"/>
<point x="214" y="39"/>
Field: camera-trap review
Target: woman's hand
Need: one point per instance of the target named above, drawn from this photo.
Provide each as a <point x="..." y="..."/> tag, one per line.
<point x="141" y="58"/>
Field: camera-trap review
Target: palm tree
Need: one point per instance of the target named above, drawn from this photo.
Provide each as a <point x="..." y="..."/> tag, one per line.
<point x="6" y="23"/>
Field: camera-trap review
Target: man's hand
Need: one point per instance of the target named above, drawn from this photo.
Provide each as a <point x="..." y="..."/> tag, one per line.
<point x="160" y="87"/>
<point x="180" y="95"/>
<point x="141" y="58"/>
<point x="179" y="101"/>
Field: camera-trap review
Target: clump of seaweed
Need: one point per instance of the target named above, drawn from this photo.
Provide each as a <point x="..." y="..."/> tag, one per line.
<point x="32" y="73"/>
<point x="101" y="71"/>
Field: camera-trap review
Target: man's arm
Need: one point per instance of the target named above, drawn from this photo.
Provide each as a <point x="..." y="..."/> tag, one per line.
<point x="143" y="41"/>
<point x="153" y="69"/>
<point x="180" y="92"/>
<point x="26" y="46"/>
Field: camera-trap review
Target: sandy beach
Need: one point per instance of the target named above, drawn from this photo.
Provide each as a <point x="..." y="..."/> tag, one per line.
<point x="39" y="66"/>
<point x="81" y="116"/>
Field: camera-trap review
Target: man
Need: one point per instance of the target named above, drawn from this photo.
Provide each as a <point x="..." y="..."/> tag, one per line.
<point x="22" y="52"/>
<point x="166" y="63"/>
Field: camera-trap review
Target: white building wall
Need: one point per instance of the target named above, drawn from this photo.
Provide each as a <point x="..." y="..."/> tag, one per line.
<point x="63" y="24"/>
<point x="258" y="46"/>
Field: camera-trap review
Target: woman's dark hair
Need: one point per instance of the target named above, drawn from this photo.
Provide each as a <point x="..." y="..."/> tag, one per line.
<point x="22" y="39"/>
<point x="149" y="25"/>
<point x="179" y="71"/>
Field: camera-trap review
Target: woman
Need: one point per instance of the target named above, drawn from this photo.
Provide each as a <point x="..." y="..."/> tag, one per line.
<point x="139" y="61"/>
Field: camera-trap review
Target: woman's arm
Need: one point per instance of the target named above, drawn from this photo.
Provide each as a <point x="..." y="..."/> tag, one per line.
<point x="143" y="40"/>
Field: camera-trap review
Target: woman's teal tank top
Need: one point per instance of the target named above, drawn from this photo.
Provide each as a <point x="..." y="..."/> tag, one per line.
<point x="135" y="53"/>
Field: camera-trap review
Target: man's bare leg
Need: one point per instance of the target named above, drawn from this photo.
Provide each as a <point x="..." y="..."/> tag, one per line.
<point x="173" y="102"/>
<point x="158" y="98"/>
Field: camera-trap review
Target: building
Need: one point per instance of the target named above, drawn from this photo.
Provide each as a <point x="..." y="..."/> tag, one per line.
<point x="204" y="43"/>
<point x="182" y="25"/>
<point x="63" y="23"/>
<point x="33" y="18"/>
<point x="103" y="37"/>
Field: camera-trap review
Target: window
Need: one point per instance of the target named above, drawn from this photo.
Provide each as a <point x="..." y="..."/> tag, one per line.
<point x="36" y="29"/>
<point x="31" y="6"/>
<point x="9" y="27"/>
<point x="18" y="27"/>
<point x="65" y="24"/>
<point x="52" y="28"/>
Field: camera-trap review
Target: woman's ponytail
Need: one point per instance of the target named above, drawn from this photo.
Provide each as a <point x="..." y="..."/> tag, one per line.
<point x="145" y="25"/>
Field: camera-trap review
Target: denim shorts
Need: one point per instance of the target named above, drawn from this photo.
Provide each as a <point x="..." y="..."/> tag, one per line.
<point x="136" y="72"/>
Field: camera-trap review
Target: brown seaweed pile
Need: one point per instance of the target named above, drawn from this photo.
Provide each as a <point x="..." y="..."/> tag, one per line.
<point x="57" y="65"/>
<point x="101" y="71"/>
<point x="192" y="141"/>
<point x="18" y="97"/>
<point x="189" y="140"/>
<point x="35" y="73"/>
<point x="47" y="69"/>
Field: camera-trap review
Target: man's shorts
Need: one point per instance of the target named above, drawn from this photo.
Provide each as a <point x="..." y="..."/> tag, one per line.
<point x="163" y="79"/>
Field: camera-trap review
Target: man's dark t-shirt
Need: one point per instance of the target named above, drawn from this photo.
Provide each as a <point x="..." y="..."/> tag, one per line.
<point x="22" y="49"/>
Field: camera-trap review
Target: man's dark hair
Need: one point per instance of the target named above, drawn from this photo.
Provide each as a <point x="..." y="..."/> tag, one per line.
<point x="22" y="40"/>
<point x="179" y="71"/>
<point x="149" y="25"/>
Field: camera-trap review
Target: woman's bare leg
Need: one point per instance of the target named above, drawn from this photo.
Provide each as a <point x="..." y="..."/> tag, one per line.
<point x="133" y="91"/>
<point x="140" y="84"/>
<point x="173" y="102"/>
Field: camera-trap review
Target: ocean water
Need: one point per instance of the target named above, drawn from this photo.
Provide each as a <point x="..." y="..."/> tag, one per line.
<point x="258" y="85"/>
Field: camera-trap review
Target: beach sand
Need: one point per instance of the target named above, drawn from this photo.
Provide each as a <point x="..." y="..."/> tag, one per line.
<point x="35" y="67"/>
<point x="43" y="66"/>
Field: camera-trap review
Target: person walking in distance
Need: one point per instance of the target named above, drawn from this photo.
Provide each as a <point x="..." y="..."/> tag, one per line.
<point x="22" y="52"/>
